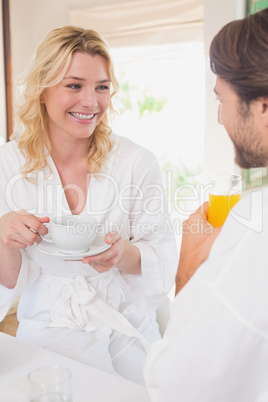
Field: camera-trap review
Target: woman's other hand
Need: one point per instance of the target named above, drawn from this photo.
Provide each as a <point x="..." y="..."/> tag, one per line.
<point x="121" y="254"/>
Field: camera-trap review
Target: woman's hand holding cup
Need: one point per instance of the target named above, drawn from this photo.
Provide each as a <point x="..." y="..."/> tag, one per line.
<point x="21" y="229"/>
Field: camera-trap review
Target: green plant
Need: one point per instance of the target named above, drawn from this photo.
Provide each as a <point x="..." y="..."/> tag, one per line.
<point x="181" y="185"/>
<point x="181" y="174"/>
<point x="151" y="104"/>
<point x="124" y="97"/>
<point x="126" y="101"/>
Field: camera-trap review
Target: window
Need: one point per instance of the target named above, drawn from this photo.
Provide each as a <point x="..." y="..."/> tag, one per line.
<point x="161" y="106"/>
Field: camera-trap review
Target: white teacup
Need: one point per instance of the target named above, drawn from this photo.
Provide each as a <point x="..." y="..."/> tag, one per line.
<point x="72" y="234"/>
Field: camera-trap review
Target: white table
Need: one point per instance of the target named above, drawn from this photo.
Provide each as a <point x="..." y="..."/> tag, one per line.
<point x="17" y="358"/>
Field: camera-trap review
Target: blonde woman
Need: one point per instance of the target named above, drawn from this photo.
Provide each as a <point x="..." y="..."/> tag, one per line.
<point x="99" y="309"/>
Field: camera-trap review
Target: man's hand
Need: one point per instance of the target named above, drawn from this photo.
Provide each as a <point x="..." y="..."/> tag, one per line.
<point x="198" y="237"/>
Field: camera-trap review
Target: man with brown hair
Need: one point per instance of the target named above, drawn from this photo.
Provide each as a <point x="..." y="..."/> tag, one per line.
<point x="215" y="348"/>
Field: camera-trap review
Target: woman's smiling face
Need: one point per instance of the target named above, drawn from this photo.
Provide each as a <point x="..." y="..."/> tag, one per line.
<point x="77" y="104"/>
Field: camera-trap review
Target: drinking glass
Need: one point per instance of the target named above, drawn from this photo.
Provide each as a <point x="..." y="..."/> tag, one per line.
<point x="50" y="384"/>
<point x="224" y="193"/>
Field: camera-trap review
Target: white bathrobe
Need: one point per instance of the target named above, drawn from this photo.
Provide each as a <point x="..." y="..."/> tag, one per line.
<point x="215" y="348"/>
<point x="106" y="319"/>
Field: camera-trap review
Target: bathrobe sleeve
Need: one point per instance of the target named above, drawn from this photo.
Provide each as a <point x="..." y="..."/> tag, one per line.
<point x="150" y="227"/>
<point x="155" y="241"/>
<point x="9" y="164"/>
<point x="29" y="272"/>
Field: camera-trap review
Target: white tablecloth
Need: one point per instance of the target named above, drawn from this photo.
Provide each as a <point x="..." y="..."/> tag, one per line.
<point x="17" y="358"/>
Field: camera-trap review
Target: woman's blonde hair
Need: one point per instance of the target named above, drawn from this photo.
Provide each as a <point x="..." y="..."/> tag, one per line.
<point x="51" y="63"/>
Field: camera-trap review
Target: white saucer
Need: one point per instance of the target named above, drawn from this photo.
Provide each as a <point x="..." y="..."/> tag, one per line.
<point x="97" y="247"/>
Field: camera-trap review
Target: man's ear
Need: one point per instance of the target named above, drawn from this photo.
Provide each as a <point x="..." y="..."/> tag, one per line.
<point x="263" y="108"/>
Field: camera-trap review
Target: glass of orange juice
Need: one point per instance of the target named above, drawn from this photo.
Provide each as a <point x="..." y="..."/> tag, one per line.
<point x="224" y="193"/>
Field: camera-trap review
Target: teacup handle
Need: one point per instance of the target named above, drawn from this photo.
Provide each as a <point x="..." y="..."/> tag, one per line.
<point x="45" y="238"/>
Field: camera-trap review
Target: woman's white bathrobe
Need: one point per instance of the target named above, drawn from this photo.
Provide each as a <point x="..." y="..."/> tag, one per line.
<point x="106" y="319"/>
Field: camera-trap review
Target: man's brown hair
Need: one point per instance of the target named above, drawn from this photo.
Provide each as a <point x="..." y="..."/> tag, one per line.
<point x="239" y="55"/>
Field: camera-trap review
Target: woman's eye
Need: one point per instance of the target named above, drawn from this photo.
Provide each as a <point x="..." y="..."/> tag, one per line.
<point x="74" y="86"/>
<point x="103" y="88"/>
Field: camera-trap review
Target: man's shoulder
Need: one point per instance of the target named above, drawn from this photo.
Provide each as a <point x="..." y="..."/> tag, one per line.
<point x="251" y="213"/>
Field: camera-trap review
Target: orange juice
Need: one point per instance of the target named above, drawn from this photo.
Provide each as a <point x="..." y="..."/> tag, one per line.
<point x="220" y="206"/>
